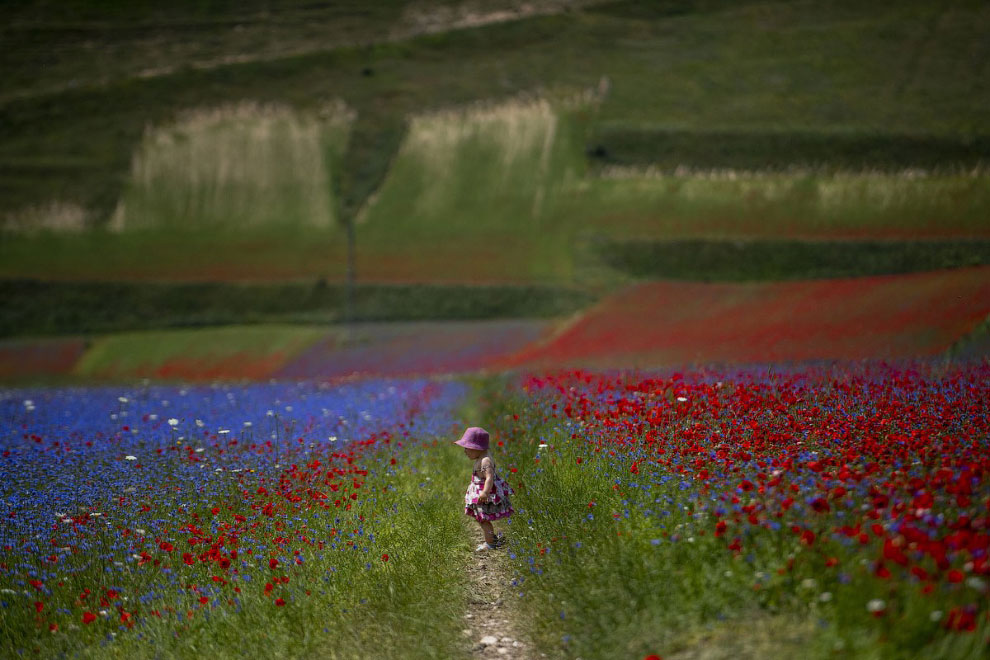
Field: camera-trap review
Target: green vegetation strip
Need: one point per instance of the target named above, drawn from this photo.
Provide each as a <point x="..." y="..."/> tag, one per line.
<point x="743" y="260"/>
<point x="973" y="346"/>
<point x="763" y="150"/>
<point x="46" y="308"/>
<point x="128" y="354"/>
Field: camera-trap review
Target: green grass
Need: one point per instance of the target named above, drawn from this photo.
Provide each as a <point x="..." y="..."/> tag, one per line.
<point x="666" y="149"/>
<point x="32" y="307"/>
<point x="447" y="158"/>
<point x="897" y="67"/>
<point x="974" y="346"/>
<point x="753" y="66"/>
<point x="130" y="354"/>
<point x="747" y="260"/>
<point x="486" y="176"/>
<point x="135" y="38"/>
<point x="714" y="204"/>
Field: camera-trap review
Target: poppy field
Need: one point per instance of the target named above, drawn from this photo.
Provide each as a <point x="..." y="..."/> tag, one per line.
<point x="818" y="511"/>
<point x="669" y="323"/>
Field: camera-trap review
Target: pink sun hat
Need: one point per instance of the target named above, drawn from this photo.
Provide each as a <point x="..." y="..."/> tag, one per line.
<point x="474" y="438"/>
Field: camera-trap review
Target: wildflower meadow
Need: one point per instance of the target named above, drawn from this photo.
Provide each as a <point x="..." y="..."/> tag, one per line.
<point x="818" y="510"/>
<point x="222" y="520"/>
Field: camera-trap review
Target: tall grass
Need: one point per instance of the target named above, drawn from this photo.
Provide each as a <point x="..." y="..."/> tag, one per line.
<point x="476" y="175"/>
<point x="720" y="203"/>
<point x="53" y="216"/>
<point x="236" y="167"/>
<point x="486" y="192"/>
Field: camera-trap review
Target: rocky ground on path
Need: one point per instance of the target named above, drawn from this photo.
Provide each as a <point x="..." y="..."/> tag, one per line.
<point x="490" y="622"/>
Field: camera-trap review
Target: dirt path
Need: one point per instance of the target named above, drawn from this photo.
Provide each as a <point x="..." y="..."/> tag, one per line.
<point x="490" y="622"/>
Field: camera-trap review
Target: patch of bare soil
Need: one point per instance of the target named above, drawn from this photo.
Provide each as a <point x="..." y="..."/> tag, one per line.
<point x="491" y="624"/>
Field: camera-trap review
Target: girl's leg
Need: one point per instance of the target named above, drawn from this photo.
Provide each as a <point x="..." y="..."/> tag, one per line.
<point x="488" y="530"/>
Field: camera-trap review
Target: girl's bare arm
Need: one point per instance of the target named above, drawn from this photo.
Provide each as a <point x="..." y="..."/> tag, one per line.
<point x="489" y="471"/>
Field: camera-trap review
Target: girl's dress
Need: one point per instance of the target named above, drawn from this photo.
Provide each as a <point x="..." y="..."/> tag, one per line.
<point x="498" y="504"/>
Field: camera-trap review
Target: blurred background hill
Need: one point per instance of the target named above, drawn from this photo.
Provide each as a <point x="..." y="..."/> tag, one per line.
<point x="198" y="163"/>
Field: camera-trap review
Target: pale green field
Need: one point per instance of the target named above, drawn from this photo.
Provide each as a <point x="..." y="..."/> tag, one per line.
<point x="232" y="350"/>
<point x="479" y="177"/>
<point x="686" y="204"/>
<point x="242" y="166"/>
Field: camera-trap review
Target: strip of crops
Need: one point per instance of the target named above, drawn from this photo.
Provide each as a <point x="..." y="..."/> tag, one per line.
<point x="414" y="348"/>
<point x="672" y="323"/>
<point x="33" y="307"/>
<point x="742" y="260"/>
<point x="760" y="150"/>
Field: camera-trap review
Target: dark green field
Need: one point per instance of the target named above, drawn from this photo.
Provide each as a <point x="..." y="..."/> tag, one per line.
<point x="34" y="307"/>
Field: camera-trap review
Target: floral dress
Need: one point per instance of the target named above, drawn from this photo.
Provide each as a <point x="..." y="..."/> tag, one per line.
<point x="498" y="504"/>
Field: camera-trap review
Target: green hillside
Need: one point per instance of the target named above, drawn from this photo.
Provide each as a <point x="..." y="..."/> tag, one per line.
<point x="227" y="141"/>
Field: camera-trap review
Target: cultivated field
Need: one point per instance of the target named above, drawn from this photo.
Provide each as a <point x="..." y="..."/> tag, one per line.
<point x="715" y="275"/>
<point x="723" y="512"/>
<point x="521" y="140"/>
<point x="678" y="323"/>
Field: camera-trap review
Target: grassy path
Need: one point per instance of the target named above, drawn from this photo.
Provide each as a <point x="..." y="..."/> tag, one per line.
<point x="493" y="626"/>
<point x="492" y="623"/>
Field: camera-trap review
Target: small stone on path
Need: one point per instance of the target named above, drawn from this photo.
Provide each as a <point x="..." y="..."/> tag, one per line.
<point x="489" y="640"/>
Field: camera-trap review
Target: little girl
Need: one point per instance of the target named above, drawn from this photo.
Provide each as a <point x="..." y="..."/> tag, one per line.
<point x="487" y="496"/>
